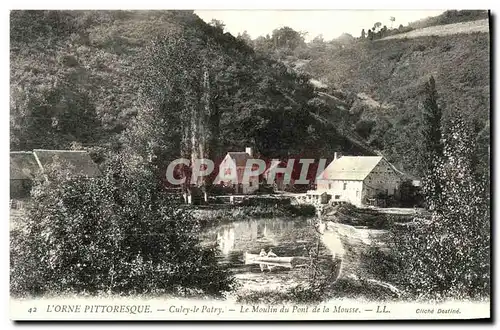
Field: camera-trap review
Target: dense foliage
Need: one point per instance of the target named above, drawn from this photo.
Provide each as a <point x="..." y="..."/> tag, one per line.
<point x="393" y="73"/>
<point x="374" y="88"/>
<point x="115" y="234"/>
<point x="86" y="76"/>
<point x="431" y="149"/>
<point x="145" y="83"/>
<point x="448" y="254"/>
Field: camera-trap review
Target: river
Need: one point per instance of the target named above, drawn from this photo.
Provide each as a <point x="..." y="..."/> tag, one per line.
<point x="295" y="237"/>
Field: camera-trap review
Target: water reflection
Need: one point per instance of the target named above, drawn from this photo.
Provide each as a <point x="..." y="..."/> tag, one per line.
<point x="254" y="234"/>
<point x="225" y="240"/>
<point x="287" y="237"/>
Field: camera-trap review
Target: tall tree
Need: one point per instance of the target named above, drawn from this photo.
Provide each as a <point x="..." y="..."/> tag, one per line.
<point x="218" y="24"/>
<point x="287" y="37"/>
<point x="376" y="26"/>
<point x="431" y="150"/>
<point x="246" y="38"/>
<point x="449" y="256"/>
<point x="370" y="34"/>
<point x="392" y="19"/>
<point x="175" y="119"/>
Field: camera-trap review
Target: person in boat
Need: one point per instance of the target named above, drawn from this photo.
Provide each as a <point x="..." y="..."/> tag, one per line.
<point x="271" y="254"/>
<point x="262" y="254"/>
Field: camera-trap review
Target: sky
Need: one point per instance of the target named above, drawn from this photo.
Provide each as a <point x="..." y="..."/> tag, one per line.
<point x="330" y="23"/>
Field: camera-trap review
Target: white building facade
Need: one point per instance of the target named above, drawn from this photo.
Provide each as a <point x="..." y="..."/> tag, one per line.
<point x="355" y="179"/>
<point x="232" y="172"/>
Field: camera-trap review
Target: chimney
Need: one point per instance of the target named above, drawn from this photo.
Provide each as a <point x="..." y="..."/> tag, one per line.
<point x="248" y="150"/>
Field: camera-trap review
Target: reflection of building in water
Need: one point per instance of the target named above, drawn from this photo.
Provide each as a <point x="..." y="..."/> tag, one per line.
<point x="252" y="229"/>
<point x="225" y="239"/>
<point x="264" y="232"/>
<point x="252" y="235"/>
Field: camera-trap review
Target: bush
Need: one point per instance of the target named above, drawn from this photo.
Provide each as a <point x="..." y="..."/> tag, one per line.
<point x="419" y="48"/>
<point x="351" y="215"/>
<point x="265" y="188"/>
<point x="409" y="194"/>
<point x="220" y="190"/>
<point x="115" y="234"/>
<point x="305" y="210"/>
<point x="381" y="263"/>
<point x="364" y="128"/>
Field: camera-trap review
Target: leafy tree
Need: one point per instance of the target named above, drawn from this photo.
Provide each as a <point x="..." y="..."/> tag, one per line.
<point x="364" y="127"/>
<point x="318" y="39"/>
<point x="245" y="37"/>
<point x="376" y="26"/>
<point x="263" y="45"/>
<point x="448" y="256"/>
<point x="115" y="234"/>
<point x="363" y="34"/>
<point x="218" y="24"/>
<point x="187" y="80"/>
<point x="287" y="37"/>
<point x="392" y="19"/>
<point x="345" y="39"/>
<point x="383" y="31"/>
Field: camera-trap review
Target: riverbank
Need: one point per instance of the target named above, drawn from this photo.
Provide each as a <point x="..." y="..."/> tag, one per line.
<point x="371" y="218"/>
<point x="229" y="212"/>
<point x="350" y="258"/>
<point x="360" y="268"/>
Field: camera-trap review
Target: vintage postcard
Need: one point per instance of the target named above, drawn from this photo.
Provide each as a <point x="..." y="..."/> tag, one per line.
<point x="250" y="165"/>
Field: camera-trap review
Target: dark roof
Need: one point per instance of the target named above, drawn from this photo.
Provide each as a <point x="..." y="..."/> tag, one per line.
<point x="79" y="161"/>
<point x="23" y="165"/>
<point x="240" y="157"/>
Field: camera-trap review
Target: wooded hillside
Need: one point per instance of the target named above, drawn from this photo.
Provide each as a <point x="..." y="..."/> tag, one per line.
<point x="374" y="88"/>
<point x="83" y="78"/>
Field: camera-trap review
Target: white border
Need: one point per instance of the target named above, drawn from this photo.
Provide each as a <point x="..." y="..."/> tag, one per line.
<point x="187" y="4"/>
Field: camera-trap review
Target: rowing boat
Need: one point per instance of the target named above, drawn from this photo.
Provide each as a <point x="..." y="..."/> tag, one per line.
<point x="276" y="261"/>
<point x="252" y="258"/>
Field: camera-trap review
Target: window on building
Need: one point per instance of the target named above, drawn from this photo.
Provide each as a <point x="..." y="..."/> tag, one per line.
<point x="250" y="183"/>
<point x="337" y="196"/>
<point x="345" y="185"/>
<point x="329" y="186"/>
<point x="357" y="193"/>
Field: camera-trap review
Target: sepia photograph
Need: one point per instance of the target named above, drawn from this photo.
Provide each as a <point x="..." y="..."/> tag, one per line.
<point x="250" y="164"/>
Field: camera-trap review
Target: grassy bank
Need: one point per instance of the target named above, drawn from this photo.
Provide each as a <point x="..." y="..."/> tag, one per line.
<point x="344" y="288"/>
<point x="349" y="214"/>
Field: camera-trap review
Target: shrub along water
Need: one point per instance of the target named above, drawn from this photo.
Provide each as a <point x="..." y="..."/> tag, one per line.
<point x="115" y="234"/>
